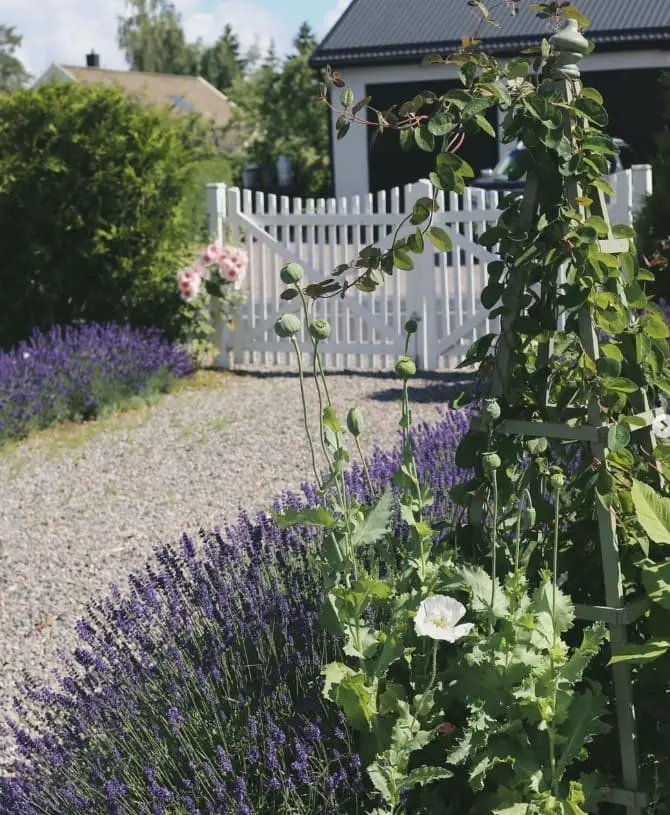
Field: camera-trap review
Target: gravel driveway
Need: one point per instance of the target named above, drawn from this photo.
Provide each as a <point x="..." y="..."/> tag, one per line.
<point x="78" y="516"/>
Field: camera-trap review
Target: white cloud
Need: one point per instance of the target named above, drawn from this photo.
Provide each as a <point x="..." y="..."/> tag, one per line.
<point x="64" y="31"/>
<point x="335" y="13"/>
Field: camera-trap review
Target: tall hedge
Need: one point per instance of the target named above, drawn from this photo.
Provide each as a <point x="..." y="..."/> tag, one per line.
<point x="92" y="224"/>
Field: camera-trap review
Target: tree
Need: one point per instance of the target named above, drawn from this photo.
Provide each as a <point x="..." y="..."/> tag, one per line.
<point x="222" y="63"/>
<point x="153" y="39"/>
<point x="12" y="73"/>
<point x="279" y="105"/>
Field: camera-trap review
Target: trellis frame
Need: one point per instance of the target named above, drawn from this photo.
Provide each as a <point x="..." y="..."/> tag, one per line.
<point x="569" y="47"/>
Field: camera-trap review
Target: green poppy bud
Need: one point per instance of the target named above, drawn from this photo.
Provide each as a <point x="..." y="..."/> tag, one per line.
<point x="491" y="409"/>
<point x="411" y="325"/>
<point x="291" y="273"/>
<point x="319" y="330"/>
<point x="528" y="516"/>
<point x="288" y="325"/>
<point x="405" y="368"/>
<point x="491" y="462"/>
<point x="355" y="421"/>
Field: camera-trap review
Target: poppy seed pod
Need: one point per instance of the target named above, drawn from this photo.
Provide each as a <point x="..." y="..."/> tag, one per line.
<point x="491" y="462"/>
<point x="355" y="421"/>
<point x="319" y="330"/>
<point x="405" y="368"/>
<point x="291" y="273"/>
<point x="557" y="480"/>
<point x="288" y="325"/>
<point x="536" y="446"/>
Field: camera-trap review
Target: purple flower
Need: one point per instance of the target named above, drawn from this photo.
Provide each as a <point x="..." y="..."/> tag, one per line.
<point x="71" y="372"/>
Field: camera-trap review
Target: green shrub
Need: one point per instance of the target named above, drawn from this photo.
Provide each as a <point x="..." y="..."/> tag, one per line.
<point x="653" y="223"/>
<point x="92" y="186"/>
<point x="194" y="205"/>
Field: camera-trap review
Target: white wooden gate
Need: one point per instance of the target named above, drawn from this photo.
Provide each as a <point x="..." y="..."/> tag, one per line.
<point x="443" y="289"/>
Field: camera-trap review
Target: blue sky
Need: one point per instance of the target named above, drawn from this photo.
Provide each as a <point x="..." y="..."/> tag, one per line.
<point x="65" y="30"/>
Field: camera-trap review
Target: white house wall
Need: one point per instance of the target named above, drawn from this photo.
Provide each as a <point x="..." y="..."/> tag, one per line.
<point x="350" y="154"/>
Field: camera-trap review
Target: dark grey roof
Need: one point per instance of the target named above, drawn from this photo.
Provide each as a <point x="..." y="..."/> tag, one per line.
<point x="406" y="30"/>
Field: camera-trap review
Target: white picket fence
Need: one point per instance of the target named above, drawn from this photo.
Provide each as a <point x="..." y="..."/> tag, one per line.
<point x="443" y="289"/>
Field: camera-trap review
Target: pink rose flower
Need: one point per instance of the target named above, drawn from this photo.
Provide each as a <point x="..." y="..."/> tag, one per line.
<point x="212" y="254"/>
<point x="188" y="281"/>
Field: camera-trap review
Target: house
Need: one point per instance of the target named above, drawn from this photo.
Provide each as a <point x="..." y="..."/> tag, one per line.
<point x="190" y="94"/>
<point x="378" y="47"/>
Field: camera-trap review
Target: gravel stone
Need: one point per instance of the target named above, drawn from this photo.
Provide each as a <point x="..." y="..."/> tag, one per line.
<point x="77" y="518"/>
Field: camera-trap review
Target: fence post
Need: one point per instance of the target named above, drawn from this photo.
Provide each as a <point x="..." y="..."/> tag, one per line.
<point x="421" y="288"/>
<point x="643" y="185"/>
<point x="216" y="215"/>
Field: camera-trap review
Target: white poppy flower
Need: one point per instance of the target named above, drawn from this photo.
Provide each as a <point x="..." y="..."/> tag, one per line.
<point x="437" y="617"/>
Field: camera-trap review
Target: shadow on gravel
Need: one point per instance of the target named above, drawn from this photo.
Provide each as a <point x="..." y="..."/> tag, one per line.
<point x="429" y="386"/>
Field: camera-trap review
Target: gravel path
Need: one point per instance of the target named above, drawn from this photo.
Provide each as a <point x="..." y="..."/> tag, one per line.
<point x="81" y="511"/>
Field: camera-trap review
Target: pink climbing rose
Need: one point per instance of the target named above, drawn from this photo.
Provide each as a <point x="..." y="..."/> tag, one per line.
<point x="188" y="280"/>
<point x="212" y="254"/>
<point x="233" y="263"/>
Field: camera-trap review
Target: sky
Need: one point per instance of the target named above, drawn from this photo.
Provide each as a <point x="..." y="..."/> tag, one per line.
<point x="64" y="31"/>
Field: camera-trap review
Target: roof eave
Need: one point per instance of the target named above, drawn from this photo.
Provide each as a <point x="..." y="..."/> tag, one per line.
<point x="510" y="47"/>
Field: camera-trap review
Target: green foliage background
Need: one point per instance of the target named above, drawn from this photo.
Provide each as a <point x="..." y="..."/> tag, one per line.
<point x="94" y="206"/>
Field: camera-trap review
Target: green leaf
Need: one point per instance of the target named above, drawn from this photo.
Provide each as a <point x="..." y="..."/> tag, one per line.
<point x="425" y="140"/>
<point x="491" y="294"/>
<point x="306" y="516"/>
<point x="483" y="123"/>
<point x="598" y="224"/>
<point x="656" y="581"/>
<point x="623" y="231"/>
<point x="361" y="642"/>
<point x="653" y="511"/>
<point x="592" y="640"/>
<point x="491" y="236"/>
<point x="383" y="777"/>
<point x="607" y="366"/>
<point x="441" y="124"/>
<point x="480" y="585"/>
<point x="618" y="437"/>
<point x="655" y="326"/>
<point x="583" y="722"/>
<point x="357" y="700"/>
<point x="330" y="419"/>
<point x="391" y="651"/>
<point x="592" y="110"/>
<point x="515" y="809"/>
<point x="619" y="384"/>
<point x="402" y="260"/>
<point x="640" y="654"/>
<point x="543" y="600"/>
<point x="415" y="242"/>
<point x="440" y="238"/>
<point x="333" y="674"/>
<point x="425" y="775"/>
<point x="377" y="522"/>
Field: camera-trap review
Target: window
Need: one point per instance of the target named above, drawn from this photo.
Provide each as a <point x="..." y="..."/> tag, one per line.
<point x="182" y="103"/>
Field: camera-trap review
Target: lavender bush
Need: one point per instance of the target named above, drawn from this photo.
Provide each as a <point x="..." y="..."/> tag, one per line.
<point x="199" y="690"/>
<point x="76" y="372"/>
